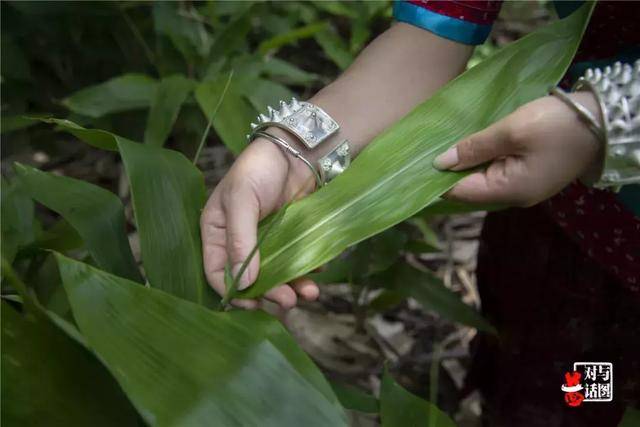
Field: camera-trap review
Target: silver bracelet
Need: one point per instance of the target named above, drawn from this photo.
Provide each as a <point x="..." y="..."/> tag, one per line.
<point x="581" y="111"/>
<point x="288" y="148"/>
<point x="617" y="90"/>
<point x="312" y="126"/>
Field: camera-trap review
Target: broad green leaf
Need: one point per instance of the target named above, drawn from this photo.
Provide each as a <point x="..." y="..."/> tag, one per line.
<point x="287" y="73"/>
<point x="393" y="178"/>
<point x="355" y="399"/>
<point x="168" y="193"/>
<point x="171" y="93"/>
<point x="184" y="365"/>
<point x="95" y="213"/>
<point x="262" y="93"/>
<point x="431" y="293"/>
<point x="18" y="122"/>
<point x="122" y="93"/>
<point x="234" y="34"/>
<point x="17" y="218"/>
<point x="450" y="207"/>
<point x="233" y="116"/>
<point x="399" y="408"/>
<point x="188" y="36"/>
<point x="94" y="137"/>
<point x="50" y="379"/>
<point x="292" y="36"/>
<point x="334" y="47"/>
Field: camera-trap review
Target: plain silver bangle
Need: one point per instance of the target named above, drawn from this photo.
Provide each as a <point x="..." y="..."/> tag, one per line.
<point x="284" y="145"/>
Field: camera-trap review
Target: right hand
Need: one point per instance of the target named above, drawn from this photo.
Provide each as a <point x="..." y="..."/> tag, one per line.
<point x="261" y="180"/>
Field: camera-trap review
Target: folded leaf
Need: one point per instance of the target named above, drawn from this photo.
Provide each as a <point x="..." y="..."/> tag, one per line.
<point x="122" y="93"/>
<point x="393" y="178"/>
<point x="95" y="137"/>
<point x="184" y="365"/>
<point x="168" y="193"/>
<point x="50" y="379"/>
<point x="95" y="213"/>
<point x="399" y="408"/>
<point x="165" y="106"/>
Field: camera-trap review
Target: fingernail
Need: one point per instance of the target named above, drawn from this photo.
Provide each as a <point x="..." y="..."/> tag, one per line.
<point x="243" y="283"/>
<point x="446" y="160"/>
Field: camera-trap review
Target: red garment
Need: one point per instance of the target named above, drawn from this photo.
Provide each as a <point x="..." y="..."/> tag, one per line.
<point x="560" y="283"/>
<point x="482" y="12"/>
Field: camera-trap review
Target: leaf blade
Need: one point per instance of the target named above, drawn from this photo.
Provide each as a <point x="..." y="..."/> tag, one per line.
<point x="97" y="215"/>
<point x="182" y="364"/>
<point x="321" y="226"/>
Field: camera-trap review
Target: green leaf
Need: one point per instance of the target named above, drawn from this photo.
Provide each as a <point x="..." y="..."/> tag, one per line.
<point x="122" y="93"/>
<point x="280" y="40"/>
<point x="18" y="122"/>
<point x="334" y="47"/>
<point x="184" y="365"/>
<point x="165" y="106"/>
<point x="17" y="218"/>
<point x="631" y="418"/>
<point x="97" y="215"/>
<point x="50" y="379"/>
<point x="262" y="93"/>
<point x="168" y="194"/>
<point x="393" y="178"/>
<point x="233" y="116"/>
<point x="399" y="408"/>
<point x="431" y="293"/>
<point x="95" y="137"/>
<point x="450" y="207"/>
<point x="287" y="73"/>
<point x="234" y="35"/>
<point x="188" y="36"/>
<point x="355" y="399"/>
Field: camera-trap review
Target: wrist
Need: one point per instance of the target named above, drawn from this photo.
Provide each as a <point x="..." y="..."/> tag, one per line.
<point x="299" y="176"/>
<point x="592" y="171"/>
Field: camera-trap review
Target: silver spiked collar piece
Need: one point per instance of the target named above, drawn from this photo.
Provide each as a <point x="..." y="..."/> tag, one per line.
<point x="308" y="122"/>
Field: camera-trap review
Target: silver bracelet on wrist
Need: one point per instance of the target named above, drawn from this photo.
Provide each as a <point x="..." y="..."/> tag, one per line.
<point x="284" y="145"/>
<point x="617" y="90"/>
<point x="312" y="126"/>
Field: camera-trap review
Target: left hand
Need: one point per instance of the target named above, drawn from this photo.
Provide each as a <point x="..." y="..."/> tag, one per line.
<point x="532" y="154"/>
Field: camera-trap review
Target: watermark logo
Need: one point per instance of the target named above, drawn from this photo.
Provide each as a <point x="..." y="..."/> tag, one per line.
<point x="589" y="382"/>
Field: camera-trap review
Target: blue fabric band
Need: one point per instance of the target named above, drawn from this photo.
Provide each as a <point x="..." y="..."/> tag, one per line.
<point x="442" y="25"/>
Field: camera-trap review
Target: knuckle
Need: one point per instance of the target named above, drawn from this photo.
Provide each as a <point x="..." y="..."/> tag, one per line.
<point x="468" y="150"/>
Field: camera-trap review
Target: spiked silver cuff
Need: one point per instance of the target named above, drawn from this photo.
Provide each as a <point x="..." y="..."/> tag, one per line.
<point x="617" y="90"/>
<point x="312" y="126"/>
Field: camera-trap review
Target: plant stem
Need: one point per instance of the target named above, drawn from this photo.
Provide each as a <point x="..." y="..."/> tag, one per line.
<point x="213" y="115"/>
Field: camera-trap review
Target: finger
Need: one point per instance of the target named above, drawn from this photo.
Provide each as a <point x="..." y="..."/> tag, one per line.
<point x="475" y="149"/>
<point x="282" y="295"/>
<point x="499" y="184"/>
<point x="214" y="249"/>
<point x="242" y="212"/>
<point x="247" y="304"/>
<point x="306" y="288"/>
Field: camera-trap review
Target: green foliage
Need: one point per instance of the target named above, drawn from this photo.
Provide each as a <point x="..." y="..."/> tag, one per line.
<point x="398" y="407"/>
<point x="95" y="213"/>
<point x="181" y="364"/>
<point x="393" y="178"/>
<point x="188" y="67"/>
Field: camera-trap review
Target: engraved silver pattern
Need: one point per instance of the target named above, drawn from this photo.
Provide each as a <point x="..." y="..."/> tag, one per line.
<point x="308" y="122"/>
<point x="617" y="89"/>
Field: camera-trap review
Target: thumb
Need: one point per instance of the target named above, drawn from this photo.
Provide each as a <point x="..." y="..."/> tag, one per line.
<point x="476" y="149"/>
<point x="242" y="210"/>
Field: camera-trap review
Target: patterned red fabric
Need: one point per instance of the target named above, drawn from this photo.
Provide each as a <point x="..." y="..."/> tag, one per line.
<point x="601" y="226"/>
<point x="482" y="12"/>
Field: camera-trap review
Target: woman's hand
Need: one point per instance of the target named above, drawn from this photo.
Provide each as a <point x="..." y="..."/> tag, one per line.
<point x="261" y="180"/>
<point x="532" y="154"/>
